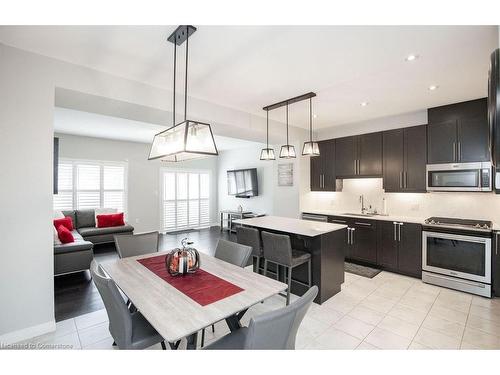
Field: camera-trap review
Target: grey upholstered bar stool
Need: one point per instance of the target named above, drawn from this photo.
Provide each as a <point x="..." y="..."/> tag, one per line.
<point x="278" y="250"/>
<point x="251" y="237"/>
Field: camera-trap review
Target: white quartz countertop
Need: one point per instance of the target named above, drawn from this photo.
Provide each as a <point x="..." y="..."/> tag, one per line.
<point x="288" y="225"/>
<point x="404" y="219"/>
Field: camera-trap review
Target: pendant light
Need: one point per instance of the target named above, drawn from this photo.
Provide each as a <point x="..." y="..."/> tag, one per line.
<point x="267" y="153"/>
<point x="310" y="148"/>
<point x="287" y="151"/>
<point x="188" y="139"/>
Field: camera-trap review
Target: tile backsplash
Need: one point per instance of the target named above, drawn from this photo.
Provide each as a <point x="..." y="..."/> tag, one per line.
<point x="465" y="205"/>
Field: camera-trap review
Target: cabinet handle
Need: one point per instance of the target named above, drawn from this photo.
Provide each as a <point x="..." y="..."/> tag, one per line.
<point x="349" y="241"/>
<point x="395" y="235"/>
<point x="401" y="179"/>
<point x="338" y="221"/>
<point x="406" y="180"/>
<point x="399" y="231"/>
<point x="355" y="166"/>
<point x="496" y="244"/>
<point x="363" y="224"/>
<point x="358" y="166"/>
<point x="352" y="235"/>
<point x="459" y="150"/>
<point x="454" y="151"/>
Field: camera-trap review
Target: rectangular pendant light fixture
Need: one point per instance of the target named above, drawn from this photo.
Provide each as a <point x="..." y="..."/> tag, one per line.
<point x="310" y="148"/>
<point x="188" y="139"/>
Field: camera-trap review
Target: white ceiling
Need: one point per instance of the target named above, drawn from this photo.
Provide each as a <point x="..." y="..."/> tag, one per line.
<point x="68" y="121"/>
<point x="247" y="67"/>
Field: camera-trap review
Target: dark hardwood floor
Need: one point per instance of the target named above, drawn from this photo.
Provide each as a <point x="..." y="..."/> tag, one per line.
<point x="76" y="294"/>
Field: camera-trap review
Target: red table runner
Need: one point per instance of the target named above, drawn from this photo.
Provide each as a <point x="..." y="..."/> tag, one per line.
<point x="202" y="287"/>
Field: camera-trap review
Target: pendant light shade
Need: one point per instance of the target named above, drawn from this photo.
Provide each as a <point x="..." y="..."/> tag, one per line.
<point x="184" y="141"/>
<point x="188" y="139"/>
<point x="310" y="148"/>
<point x="287" y="151"/>
<point x="267" y="153"/>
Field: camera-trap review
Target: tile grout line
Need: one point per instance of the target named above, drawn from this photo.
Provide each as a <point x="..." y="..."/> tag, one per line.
<point x="465" y="325"/>
<point x="426" y="315"/>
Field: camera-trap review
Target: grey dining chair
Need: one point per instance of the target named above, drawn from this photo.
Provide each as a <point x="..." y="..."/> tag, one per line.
<point x="272" y="330"/>
<point x="251" y="237"/>
<point x="233" y="253"/>
<point x="129" y="330"/>
<point x="129" y="245"/>
<point x="278" y="250"/>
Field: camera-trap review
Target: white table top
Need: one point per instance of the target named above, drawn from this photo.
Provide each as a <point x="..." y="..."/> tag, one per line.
<point x="173" y="314"/>
<point x="288" y="225"/>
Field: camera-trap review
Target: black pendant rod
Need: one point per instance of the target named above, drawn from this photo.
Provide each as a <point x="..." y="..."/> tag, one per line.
<point x="175" y="65"/>
<point x="289" y="101"/>
<point x="287" y="124"/>
<point x="267" y="129"/>
<point x="186" y="79"/>
<point x="310" y="120"/>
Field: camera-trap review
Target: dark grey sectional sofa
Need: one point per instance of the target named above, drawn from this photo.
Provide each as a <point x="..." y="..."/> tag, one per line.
<point x="76" y="256"/>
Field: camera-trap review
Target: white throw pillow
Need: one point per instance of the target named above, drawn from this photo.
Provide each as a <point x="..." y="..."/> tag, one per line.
<point x="104" y="211"/>
<point x="58" y="215"/>
<point x="57" y="241"/>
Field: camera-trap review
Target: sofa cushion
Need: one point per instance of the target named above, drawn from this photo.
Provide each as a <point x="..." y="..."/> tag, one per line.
<point x="85" y="218"/>
<point x="64" y="234"/>
<point x="93" y="231"/>
<point x="79" y="245"/>
<point x="66" y="222"/>
<point x="110" y="220"/>
<point x="71" y="214"/>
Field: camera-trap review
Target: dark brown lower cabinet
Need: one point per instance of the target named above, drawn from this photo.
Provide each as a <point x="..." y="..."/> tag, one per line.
<point x="387" y="245"/>
<point x="410" y="249"/>
<point x="495" y="255"/>
<point x="364" y="241"/>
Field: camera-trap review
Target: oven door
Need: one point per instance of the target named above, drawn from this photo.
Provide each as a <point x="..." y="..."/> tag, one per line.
<point x="467" y="257"/>
<point x="459" y="177"/>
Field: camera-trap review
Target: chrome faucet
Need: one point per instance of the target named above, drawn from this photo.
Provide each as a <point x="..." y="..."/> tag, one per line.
<point x="362" y="201"/>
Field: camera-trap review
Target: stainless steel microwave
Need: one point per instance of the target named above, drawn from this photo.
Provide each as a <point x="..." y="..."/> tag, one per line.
<point x="459" y="177"/>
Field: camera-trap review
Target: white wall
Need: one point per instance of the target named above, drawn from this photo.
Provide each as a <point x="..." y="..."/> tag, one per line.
<point x="272" y="199"/>
<point x="143" y="203"/>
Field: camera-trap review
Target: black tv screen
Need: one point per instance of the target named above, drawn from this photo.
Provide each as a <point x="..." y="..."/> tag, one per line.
<point x="242" y="183"/>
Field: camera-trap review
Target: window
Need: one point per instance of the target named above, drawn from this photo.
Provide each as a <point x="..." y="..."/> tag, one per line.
<point x="185" y="200"/>
<point x="91" y="184"/>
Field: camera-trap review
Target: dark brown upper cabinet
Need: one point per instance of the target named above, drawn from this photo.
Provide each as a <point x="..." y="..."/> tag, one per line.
<point x="404" y="159"/>
<point x="323" y="167"/>
<point x="458" y="133"/>
<point x="359" y="156"/>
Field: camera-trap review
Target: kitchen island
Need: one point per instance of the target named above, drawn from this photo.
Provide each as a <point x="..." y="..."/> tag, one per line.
<point x="324" y="241"/>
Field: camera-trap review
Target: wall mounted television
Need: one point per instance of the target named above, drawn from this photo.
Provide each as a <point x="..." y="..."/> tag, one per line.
<point x="242" y="183"/>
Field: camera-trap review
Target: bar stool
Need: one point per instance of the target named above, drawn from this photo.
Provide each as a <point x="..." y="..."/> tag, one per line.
<point x="251" y="237"/>
<point x="278" y="250"/>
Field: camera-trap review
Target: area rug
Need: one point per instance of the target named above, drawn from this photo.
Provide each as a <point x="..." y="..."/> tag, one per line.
<point x="361" y="270"/>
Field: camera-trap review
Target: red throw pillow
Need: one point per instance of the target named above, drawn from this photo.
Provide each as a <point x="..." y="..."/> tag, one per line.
<point x="66" y="222"/>
<point x="64" y="234"/>
<point x="110" y="220"/>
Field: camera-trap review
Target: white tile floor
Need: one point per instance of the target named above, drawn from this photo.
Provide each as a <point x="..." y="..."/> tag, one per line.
<point x="389" y="311"/>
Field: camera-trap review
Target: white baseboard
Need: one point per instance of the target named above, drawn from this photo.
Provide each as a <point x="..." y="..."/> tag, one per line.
<point x="28" y="333"/>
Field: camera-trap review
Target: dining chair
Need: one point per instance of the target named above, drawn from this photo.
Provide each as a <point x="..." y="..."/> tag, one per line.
<point x="129" y="330"/>
<point x="251" y="237"/>
<point x="278" y="250"/>
<point x="233" y="253"/>
<point x="129" y="245"/>
<point x="273" y="330"/>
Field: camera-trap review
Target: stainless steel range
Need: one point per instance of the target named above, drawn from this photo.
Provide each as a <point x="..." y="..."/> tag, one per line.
<point x="456" y="253"/>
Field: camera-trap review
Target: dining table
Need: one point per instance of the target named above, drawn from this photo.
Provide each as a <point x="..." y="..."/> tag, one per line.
<point x="181" y="306"/>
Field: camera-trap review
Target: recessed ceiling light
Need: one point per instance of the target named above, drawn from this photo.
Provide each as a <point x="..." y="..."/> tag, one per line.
<point x="411" y="57"/>
<point x="315" y="116"/>
<point x="433" y="87"/>
<point x="364" y="104"/>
